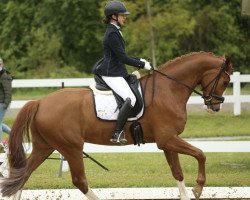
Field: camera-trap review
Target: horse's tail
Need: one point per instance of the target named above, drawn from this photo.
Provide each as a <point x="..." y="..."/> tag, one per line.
<point x="17" y="157"/>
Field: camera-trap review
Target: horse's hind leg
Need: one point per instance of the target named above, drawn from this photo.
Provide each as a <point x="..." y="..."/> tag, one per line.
<point x="74" y="157"/>
<point x="38" y="155"/>
<point x="40" y="151"/>
<point x="174" y="164"/>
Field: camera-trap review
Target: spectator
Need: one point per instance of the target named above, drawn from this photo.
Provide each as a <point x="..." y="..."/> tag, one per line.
<point x="5" y="96"/>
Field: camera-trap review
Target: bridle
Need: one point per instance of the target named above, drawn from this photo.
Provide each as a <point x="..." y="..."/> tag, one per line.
<point x="211" y="95"/>
<point x="208" y="98"/>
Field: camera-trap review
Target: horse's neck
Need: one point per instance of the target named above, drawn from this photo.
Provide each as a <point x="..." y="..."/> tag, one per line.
<point x="188" y="72"/>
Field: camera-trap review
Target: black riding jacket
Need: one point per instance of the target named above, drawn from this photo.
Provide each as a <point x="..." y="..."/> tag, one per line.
<point x="115" y="57"/>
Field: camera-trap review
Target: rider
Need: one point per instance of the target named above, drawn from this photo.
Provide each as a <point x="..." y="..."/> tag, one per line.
<point x="112" y="68"/>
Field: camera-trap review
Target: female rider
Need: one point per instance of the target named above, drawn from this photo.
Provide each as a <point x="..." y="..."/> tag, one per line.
<point x="112" y="68"/>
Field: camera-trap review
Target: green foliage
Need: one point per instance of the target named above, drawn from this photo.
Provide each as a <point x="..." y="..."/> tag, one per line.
<point x="58" y="34"/>
<point x="170" y="22"/>
<point x="42" y="37"/>
<point x="217" y="31"/>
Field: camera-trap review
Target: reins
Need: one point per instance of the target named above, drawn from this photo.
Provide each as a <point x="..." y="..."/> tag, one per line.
<point x="176" y="80"/>
<point x="207" y="98"/>
<point x="169" y="77"/>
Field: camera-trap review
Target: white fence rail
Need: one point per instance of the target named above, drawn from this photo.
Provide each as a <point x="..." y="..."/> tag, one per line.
<point x="205" y="146"/>
<point x="236" y="98"/>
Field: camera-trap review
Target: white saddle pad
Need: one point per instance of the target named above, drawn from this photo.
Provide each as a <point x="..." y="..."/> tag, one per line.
<point x="106" y="106"/>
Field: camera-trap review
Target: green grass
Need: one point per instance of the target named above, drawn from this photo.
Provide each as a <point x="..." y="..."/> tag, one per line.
<point x="203" y="124"/>
<point x="146" y="170"/>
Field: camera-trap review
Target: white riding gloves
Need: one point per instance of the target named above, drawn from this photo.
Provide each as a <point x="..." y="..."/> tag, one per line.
<point x="147" y="65"/>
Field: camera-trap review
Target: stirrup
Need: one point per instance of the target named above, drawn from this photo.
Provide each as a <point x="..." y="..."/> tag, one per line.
<point x="118" y="137"/>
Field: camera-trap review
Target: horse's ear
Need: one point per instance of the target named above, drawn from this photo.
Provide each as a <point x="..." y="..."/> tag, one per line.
<point x="228" y="60"/>
<point x="228" y="64"/>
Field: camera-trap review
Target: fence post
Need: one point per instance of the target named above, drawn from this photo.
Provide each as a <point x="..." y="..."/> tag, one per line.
<point x="236" y="93"/>
<point x="61" y="165"/>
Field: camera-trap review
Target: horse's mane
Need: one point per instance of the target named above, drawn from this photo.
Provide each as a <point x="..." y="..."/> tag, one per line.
<point x="180" y="58"/>
<point x="183" y="57"/>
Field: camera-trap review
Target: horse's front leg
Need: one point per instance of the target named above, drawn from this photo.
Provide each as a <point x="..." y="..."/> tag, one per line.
<point x="178" y="145"/>
<point x="174" y="164"/>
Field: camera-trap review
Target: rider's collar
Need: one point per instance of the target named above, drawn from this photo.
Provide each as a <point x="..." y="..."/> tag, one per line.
<point x="118" y="27"/>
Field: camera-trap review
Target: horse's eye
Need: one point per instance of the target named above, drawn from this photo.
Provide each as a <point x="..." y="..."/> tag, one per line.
<point x="225" y="83"/>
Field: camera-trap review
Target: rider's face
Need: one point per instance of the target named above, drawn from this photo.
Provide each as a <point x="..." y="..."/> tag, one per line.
<point x="121" y="19"/>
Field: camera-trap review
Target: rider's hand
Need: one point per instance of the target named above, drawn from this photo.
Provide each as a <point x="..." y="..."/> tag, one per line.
<point x="147" y="64"/>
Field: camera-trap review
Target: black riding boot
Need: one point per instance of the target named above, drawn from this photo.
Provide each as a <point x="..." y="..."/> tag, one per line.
<point x="118" y="136"/>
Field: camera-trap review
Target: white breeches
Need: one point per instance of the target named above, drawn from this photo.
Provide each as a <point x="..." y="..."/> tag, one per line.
<point x="121" y="87"/>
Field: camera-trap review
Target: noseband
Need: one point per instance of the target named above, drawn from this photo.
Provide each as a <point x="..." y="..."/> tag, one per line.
<point x="208" y="98"/>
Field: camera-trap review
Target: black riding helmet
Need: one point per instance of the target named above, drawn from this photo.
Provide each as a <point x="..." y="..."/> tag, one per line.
<point x="115" y="8"/>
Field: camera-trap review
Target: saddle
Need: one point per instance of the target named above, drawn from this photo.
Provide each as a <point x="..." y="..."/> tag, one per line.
<point x="137" y="111"/>
<point x="133" y="83"/>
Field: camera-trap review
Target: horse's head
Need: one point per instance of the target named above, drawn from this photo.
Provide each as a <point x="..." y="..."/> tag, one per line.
<point x="214" y="84"/>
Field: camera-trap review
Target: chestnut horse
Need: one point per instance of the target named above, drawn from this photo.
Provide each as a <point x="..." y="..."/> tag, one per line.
<point x="65" y="119"/>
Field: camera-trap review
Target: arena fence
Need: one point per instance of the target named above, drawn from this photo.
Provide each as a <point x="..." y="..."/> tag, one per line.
<point x="205" y="146"/>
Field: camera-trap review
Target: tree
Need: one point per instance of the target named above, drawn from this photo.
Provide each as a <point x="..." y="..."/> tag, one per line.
<point x="39" y="36"/>
<point x="181" y="27"/>
<point x="49" y="37"/>
<point x="171" y="21"/>
<point x="219" y="29"/>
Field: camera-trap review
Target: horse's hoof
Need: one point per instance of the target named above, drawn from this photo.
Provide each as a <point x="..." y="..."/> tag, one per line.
<point x="196" y="193"/>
